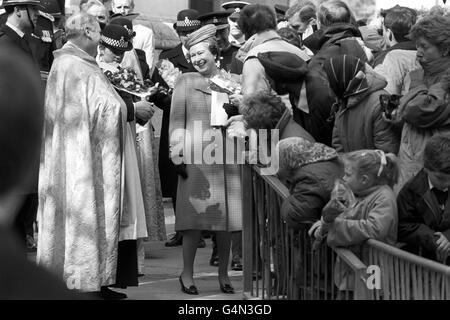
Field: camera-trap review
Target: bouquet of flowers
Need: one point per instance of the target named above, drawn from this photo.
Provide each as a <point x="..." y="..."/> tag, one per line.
<point x="168" y="72"/>
<point x="125" y="79"/>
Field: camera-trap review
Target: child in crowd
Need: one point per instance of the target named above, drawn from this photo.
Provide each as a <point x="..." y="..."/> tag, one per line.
<point x="424" y="204"/>
<point x="369" y="175"/>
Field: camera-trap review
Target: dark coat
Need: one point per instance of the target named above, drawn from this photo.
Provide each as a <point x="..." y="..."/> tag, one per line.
<point x="420" y="216"/>
<point x="309" y="193"/>
<point x="9" y="37"/>
<point x="176" y="56"/>
<point x="169" y="177"/>
<point x="335" y="40"/>
<point x="226" y="57"/>
<point x="359" y="125"/>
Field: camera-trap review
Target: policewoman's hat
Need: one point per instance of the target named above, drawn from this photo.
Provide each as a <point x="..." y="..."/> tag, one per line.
<point x="9" y="3"/>
<point x="116" y="37"/>
<point x="217" y="18"/>
<point x="234" y="8"/>
<point x="187" y="21"/>
<point x="124" y="22"/>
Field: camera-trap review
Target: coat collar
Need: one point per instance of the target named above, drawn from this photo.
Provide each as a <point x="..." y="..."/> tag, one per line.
<point x="15" y="38"/>
<point x="432" y="216"/>
<point x="71" y="49"/>
<point x="202" y="84"/>
<point x="284" y="121"/>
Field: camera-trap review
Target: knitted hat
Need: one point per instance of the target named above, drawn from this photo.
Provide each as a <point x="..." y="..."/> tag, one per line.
<point x="116" y="38"/>
<point x="202" y="34"/>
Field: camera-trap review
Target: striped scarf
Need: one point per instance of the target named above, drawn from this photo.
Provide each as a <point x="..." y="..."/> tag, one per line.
<point x="346" y="76"/>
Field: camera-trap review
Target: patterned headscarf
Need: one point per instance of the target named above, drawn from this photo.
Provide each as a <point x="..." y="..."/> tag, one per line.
<point x="296" y="152"/>
<point x="346" y="75"/>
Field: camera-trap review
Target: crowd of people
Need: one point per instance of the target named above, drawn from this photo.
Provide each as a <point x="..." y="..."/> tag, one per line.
<point x="359" y="112"/>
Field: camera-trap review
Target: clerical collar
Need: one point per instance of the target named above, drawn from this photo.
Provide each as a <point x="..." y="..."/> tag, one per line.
<point x="432" y="186"/>
<point x="15" y="29"/>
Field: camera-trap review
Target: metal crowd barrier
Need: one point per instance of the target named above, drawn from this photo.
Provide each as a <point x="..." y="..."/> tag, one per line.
<point x="406" y="276"/>
<point x="279" y="263"/>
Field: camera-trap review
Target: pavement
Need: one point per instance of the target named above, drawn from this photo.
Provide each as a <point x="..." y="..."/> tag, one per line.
<point x="163" y="266"/>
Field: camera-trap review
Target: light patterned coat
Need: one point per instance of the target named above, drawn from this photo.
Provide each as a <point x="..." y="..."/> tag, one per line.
<point x="80" y="178"/>
<point x="201" y="198"/>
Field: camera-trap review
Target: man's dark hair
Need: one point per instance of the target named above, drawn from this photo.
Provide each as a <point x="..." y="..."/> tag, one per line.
<point x="400" y="21"/>
<point x="436" y="156"/>
<point x="334" y="11"/>
<point x="256" y="18"/>
<point x="262" y="110"/>
<point x="21" y="119"/>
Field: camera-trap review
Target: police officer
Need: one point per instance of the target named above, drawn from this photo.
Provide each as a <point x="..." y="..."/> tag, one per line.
<point x="234" y="8"/>
<point x="21" y="18"/>
<point x="227" y="50"/>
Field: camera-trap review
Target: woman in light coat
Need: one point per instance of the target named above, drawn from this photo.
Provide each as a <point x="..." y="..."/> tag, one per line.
<point x="209" y="192"/>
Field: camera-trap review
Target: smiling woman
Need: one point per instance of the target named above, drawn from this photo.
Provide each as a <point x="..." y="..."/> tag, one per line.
<point x="209" y="192"/>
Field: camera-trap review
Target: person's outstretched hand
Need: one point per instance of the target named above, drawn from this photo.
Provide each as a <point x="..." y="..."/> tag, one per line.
<point x="144" y="110"/>
<point x="333" y="209"/>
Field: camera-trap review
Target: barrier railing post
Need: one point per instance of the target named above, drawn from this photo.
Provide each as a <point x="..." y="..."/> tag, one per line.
<point x="247" y="227"/>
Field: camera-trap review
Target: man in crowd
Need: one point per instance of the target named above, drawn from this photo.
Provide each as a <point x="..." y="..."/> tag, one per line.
<point x="337" y="35"/>
<point x="81" y="163"/>
<point x="400" y="57"/>
<point x="22" y="16"/>
<point x="235" y="37"/>
<point x="227" y="50"/>
<point x="302" y="18"/>
<point x="144" y="39"/>
<point x="187" y="22"/>
<point x="423" y="206"/>
<point x="98" y="10"/>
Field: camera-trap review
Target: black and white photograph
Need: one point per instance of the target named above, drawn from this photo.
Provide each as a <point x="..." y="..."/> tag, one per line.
<point x="240" y="153"/>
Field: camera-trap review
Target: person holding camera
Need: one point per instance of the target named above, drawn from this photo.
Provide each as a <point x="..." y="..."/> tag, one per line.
<point x="357" y="112"/>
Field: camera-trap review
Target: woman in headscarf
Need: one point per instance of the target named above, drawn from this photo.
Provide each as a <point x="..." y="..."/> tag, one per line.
<point x="424" y="109"/>
<point x="309" y="170"/>
<point x="209" y="191"/>
<point x="357" y="113"/>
